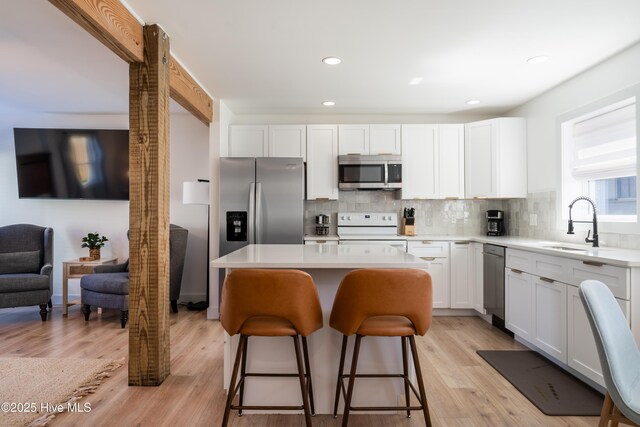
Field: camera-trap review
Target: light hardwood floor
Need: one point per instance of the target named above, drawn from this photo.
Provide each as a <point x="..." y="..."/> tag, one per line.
<point x="462" y="389"/>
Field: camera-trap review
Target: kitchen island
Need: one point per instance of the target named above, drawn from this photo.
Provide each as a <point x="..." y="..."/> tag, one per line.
<point x="327" y="264"/>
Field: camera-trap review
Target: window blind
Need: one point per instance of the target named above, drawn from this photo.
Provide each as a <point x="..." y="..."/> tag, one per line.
<point x="605" y="144"/>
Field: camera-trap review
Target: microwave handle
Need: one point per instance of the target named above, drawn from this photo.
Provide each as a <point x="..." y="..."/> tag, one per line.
<point x="386" y="173"/>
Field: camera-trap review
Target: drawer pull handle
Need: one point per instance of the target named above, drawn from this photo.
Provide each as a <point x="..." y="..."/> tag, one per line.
<point x="461" y="243"/>
<point x="321" y="241"/>
<point x="513" y="270"/>
<point x="428" y="258"/>
<point x="322" y="198"/>
<point x="427" y="242"/>
<point x="452" y="198"/>
<point x="593" y="263"/>
<point x="546" y="279"/>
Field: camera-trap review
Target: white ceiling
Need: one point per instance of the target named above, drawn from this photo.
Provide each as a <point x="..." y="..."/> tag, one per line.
<point x="264" y="57"/>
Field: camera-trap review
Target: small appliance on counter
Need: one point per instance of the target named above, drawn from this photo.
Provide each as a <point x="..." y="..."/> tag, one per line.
<point x="322" y="224"/>
<point x="495" y="223"/>
<point x="408" y="222"/>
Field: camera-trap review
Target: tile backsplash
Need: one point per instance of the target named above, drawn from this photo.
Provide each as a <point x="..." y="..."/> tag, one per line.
<point x="442" y="217"/>
<point x="463" y="217"/>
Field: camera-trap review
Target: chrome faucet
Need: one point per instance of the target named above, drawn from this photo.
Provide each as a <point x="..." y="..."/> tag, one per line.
<point x="594" y="221"/>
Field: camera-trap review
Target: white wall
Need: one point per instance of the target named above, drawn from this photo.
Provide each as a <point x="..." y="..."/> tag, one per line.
<point x="543" y="138"/>
<point x="72" y="219"/>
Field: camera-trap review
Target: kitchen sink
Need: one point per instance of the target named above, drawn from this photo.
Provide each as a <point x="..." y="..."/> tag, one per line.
<point x="566" y="248"/>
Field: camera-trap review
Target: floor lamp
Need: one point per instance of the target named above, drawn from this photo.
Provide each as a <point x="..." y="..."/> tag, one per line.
<point x="197" y="193"/>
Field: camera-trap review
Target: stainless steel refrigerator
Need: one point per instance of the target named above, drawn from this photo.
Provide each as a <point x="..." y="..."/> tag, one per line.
<point x="261" y="201"/>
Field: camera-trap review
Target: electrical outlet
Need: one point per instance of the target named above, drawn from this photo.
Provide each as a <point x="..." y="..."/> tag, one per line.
<point x="533" y="219"/>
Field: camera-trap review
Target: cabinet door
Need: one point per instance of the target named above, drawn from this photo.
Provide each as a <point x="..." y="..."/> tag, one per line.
<point x="549" y="331"/>
<point x="451" y="161"/>
<point x="420" y="166"/>
<point x="385" y="139"/>
<point x="438" y="268"/>
<point x="353" y="139"/>
<point x="322" y="162"/>
<point x="461" y="275"/>
<point x="248" y="141"/>
<point x="480" y="166"/>
<point x="518" y="303"/>
<point x="478" y="278"/>
<point x="288" y="141"/>
<point x="582" y="353"/>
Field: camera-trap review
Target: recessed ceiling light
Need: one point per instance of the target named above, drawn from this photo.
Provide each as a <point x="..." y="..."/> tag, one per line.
<point x="473" y="102"/>
<point x="538" y="59"/>
<point x="415" y="81"/>
<point x="331" y="60"/>
<point x="328" y="103"/>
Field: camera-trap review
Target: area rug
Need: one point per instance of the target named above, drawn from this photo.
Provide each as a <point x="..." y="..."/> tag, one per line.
<point x="550" y="388"/>
<point x="34" y="390"/>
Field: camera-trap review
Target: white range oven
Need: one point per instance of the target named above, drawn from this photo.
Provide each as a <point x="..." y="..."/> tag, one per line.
<point x="370" y="229"/>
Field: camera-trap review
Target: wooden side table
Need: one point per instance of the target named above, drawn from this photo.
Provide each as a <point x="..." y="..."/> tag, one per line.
<point x="75" y="269"/>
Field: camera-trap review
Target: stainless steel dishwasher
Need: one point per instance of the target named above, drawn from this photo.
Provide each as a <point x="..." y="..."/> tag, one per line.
<point x="493" y="263"/>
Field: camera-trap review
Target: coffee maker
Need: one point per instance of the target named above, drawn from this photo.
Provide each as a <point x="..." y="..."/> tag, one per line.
<point x="322" y="225"/>
<point x="495" y="223"/>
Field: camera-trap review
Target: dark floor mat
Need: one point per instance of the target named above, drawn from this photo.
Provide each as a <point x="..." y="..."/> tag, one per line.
<point x="553" y="390"/>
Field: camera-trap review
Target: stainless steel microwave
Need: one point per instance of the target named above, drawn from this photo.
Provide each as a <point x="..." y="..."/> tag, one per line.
<point x="377" y="172"/>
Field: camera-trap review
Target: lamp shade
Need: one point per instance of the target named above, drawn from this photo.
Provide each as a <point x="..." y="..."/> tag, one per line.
<point x="195" y="193"/>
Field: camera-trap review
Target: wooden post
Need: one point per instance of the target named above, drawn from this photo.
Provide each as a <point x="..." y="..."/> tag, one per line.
<point x="149" y="358"/>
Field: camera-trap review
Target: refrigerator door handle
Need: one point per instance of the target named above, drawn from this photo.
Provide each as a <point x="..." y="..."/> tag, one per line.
<point x="258" y="213"/>
<point x="252" y="213"/>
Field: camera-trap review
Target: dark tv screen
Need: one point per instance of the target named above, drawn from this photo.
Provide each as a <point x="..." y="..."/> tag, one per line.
<point x="72" y="163"/>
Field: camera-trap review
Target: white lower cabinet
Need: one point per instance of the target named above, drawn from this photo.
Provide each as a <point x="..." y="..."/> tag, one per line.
<point x="549" y="332"/>
<point x="581" y="346"/>
<point x="437" y="256"/>
<point x="462" y="275"/>
<point x="477" y="278"/>
<point x="518" y="295"/>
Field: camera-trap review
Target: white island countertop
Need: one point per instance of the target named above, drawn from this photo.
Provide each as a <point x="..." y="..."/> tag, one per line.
<point x="318" y="256"/>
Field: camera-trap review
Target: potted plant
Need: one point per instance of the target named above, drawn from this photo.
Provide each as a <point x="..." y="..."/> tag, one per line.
<point x="94" y="242"/>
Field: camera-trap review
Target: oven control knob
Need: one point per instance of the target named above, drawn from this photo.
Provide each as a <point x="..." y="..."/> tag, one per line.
<point x="384" y="218"/>
<point x="389" y="217"/>
<point x="349" y="218"/>
<point x="342" y="217"/>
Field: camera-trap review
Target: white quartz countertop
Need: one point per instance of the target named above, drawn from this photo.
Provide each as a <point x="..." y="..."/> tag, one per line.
<point x="606" y="255"/>
<point x="318" y="256"/>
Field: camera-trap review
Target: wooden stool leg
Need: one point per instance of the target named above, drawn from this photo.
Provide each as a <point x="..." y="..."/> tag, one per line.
<point x="307" y="367"/>
<point x="243" y="368"/>
<point x="340" y="370"/>
<point x="423" y="395"/>
<point x="303" y="388"/>
<point x="405" y="368"/>
<point x="352" y="380"/>
<point x="232" y="383"/>
<point x="605" y="414"/>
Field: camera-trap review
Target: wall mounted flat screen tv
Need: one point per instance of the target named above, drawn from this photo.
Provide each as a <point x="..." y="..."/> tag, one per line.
<point x="72" y="163"/>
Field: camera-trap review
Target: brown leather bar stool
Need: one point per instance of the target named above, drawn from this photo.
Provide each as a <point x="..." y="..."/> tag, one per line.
<point x="270" y="303"/>
<point x="382" y="303"/>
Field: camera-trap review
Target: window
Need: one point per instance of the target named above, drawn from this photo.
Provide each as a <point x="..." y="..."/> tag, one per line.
<point x="599" y="161"/>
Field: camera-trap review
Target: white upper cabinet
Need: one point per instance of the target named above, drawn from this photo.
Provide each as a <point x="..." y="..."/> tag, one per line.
<point x="420" y="165"/>
<point x="451" y="161"/>
<point x="322" y="162"/>
<point x="495" y="158"/>
<point x="288" y="141"/>
<point x="369" y="139"/>
<point x="268" y="141"/>
<point x="384" y="139"/>
<point x="248" y="141"/>
<point x="353" y="139"/>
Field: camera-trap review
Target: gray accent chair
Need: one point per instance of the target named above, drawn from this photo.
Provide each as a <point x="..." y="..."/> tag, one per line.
<point x="618" y="352"/>
<point x="108" y="286"/>
<point x="26" y="264"/>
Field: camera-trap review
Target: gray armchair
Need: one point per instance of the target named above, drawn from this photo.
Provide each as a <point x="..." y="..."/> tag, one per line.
<point x="108" y="286"/>
<point x="26" y="264"/>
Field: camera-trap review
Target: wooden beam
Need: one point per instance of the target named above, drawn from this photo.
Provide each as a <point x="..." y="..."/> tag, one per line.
<point x="188" y="93"/>
<point x="149" y="212"/>
<point x="112" y="23"/>
<point x="108" y="21"/>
